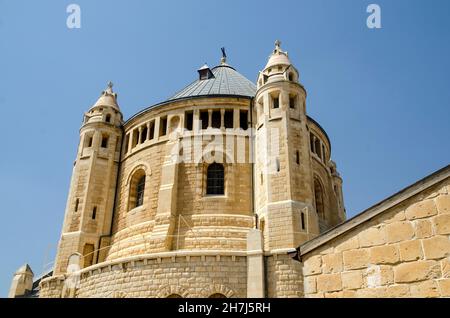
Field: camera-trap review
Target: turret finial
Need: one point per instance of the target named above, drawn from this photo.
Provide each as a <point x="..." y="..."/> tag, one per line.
<point x="110" y="86"/>
<point x="277" y="44"/>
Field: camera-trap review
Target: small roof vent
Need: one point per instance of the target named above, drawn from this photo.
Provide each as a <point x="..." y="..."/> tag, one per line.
<point x="205" y="72"/>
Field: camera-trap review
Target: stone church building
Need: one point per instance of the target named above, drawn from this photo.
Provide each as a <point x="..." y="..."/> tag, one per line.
<point x="228" y="189"/>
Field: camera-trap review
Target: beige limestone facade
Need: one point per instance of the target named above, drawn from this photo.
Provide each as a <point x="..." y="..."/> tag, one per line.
<point x="228" y="189"/>
<point x="399" y="248"/>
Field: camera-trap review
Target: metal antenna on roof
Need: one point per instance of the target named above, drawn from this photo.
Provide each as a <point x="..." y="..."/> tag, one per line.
<point x="223" y="60"/>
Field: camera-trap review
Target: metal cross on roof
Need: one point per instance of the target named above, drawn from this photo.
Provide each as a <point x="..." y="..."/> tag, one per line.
<point x="223" y="60"/>
<point x="277" y="44"/>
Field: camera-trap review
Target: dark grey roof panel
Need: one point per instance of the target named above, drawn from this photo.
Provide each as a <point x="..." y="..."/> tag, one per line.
<point x="226" y="81"/>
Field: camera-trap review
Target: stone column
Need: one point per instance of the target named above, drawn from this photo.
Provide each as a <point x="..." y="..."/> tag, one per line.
<point x="210" y="118"/>
<point x="139" y="135"/>
<point x="148" y="131"/>
<point x="222" y="119"/>
<point x="130" y="141"/>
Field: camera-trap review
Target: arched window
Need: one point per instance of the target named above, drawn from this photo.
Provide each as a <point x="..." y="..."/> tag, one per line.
<point x="108" y="118"/>
<point x="105" y="139"/>
<point x="317" y="148"/>
<point x="318" y="196"/>
<point x="174" y="296"/>
<point x="137" y="190"/>
<point x="140" y="191"/>
<point x="215" y="179"/>
<point x="217" y="295"/>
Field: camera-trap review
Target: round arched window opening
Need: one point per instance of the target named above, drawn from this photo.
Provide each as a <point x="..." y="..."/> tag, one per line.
<point x="217" y="295"/>
<point x="137" y="189"/>
<point x="140" y="188"/>
<point x="291" y="77"/>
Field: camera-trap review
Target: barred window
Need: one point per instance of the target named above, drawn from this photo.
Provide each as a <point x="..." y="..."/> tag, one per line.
<point x="215" y="179"/>
<point x="140" y="191"/>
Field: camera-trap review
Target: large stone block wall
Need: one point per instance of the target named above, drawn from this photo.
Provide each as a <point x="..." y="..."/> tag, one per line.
<point x="160" y="275"/>
<point x="403" y="252"/>
<point x="51" y="287"/>
<point x="284" y="278"/>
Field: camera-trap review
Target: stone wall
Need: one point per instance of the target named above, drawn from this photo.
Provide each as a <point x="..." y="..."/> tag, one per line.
<point x="192" y="219"/>
<point x="401" y="252"/>
<point x="160" y="275"/>
<point x="284" y="277"/>
<point x="51" y="287"/>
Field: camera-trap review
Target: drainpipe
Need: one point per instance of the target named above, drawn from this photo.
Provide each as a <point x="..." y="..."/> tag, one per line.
<point x="253" y="164"/>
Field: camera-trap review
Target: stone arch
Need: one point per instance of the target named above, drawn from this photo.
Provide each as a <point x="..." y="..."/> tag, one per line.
<point x="140" y="165"/>
<point x="170" y="290"/>
<point x="214" y="289"/>
<point x="226" y="157"/>
<point x="140" y="173"/>
<point x="174" y="123"/>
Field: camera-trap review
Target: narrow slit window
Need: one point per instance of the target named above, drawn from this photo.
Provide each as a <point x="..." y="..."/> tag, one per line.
<point x="228" y="120"/>
<point x="292" y="102"/>
<point x="163" y="126"/>
<point x="94" y="213"/>
<point x="144" y="134"/>
<point x="277" y="164"/>
<point x="276" y="102"/>
<point x="77" y="202"/>
<point x="189" y="120"/>
<point x="297" y="157"/>
<point x="303" y="220"/>
<point x="105" y="141"/>
<point x="152" y="130"/>
<point x="204" y="119"/>
<point x="216" y="119"/>
<point x="318" y="148"/>
<point x="243" y="119"/>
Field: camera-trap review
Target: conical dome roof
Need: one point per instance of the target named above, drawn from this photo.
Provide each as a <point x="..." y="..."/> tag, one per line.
<point x="225" y="81"/>
<point x="278" y="57"/>
<point x="108" y="98"/>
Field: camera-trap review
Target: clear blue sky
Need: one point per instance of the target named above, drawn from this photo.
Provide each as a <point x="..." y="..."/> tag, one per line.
<point x="382" y="95"/>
